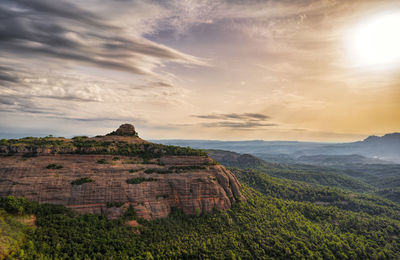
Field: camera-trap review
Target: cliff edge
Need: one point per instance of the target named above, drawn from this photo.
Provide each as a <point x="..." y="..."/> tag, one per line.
<point x="108" y="174"/>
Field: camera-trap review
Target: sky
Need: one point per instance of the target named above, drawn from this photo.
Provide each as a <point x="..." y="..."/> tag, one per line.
<point x="200" y="69"/>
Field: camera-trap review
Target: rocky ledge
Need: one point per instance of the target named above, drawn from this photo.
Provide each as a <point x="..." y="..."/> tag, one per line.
<point x="151" y="180"/>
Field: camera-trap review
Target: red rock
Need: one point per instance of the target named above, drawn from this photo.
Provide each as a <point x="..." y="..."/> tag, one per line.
<point x="194" y="191"/>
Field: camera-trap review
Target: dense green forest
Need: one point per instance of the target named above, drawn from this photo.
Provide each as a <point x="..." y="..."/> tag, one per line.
<point x="290" y="213"/>
<point x="264" y="226"/>
<point x="382" y="180"/>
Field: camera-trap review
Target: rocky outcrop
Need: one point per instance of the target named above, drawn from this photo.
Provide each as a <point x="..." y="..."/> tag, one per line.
<point x="110" y="184"/>
<point x="232" y="159"/>
<point x="125" y="130"/>
<point x="196" y="190"/>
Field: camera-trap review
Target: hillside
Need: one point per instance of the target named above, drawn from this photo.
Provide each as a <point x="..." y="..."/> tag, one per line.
<point x="278" y="211"/>
<point x="108" y="174"/>
<point x="305" y="173"/>
<point x="263" y="227"/>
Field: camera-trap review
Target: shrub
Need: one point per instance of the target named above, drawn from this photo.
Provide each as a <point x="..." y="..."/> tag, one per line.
<point x="17" y="205"/>
<point x="135" y="170"/>
<point x="139" y="180"/>
<point x="157" y="170"/>
<point x="102" y="161"/>
<point x="116" y="204"/>
<point x="130" y="213"/>
<point x="81" y="181"/>
<point x="186" y="168"/>
<point x="54" y="166"/>
<point x="29" y="155"/>
<point x="164" y="196"/>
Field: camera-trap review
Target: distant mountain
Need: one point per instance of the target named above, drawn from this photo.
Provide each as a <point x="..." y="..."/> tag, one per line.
<point x="385" y="148"/>
<point x="335" y="160"/>
<point x="387" y="139"/>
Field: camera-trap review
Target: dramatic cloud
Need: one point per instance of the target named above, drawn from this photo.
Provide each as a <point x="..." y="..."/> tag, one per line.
<point x="245" y="116"/>
<point x="245" y="121"/>
<point x="65" y="31"/>
<point x="239" y="125"/>
<point x="169" y="65"/>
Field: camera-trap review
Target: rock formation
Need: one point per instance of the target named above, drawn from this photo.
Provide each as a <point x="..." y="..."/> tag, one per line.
<point x="102" y="180"/>
<point x="125" y="130"/>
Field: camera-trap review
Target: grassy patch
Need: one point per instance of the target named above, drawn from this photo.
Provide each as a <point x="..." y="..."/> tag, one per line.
<point x="157" y="170"/>
<point x="115" y="204"/>
<point x="178" y="169"/>
<point x="135" y="170"/>
<point x="81" y="181"/>
<point x="54" y="166"/>
<point x="139" y="180"/>
<point x="102" y="161"/>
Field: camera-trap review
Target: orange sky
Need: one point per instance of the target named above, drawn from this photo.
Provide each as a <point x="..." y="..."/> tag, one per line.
<point x="229" y="70"/>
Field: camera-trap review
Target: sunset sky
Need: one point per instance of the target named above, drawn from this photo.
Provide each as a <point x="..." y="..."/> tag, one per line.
<point x="324" y="70"/>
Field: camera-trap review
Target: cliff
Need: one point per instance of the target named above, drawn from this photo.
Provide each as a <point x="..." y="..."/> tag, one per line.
<point x="107" y="174"/>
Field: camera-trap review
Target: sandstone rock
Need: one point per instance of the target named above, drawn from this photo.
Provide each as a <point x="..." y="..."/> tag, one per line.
<point x="125" y="130"/>
<point x="190" y="182"/>
<point x="199" y="190"/>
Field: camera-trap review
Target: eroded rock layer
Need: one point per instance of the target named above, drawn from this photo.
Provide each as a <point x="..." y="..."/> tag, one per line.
<point x="111" y="183"/>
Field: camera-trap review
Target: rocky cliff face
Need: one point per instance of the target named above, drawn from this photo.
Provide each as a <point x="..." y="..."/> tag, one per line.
<point x="110" y="183"/>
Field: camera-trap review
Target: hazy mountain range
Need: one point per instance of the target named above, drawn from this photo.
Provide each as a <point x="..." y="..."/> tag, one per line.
<point x="373" y="150"/>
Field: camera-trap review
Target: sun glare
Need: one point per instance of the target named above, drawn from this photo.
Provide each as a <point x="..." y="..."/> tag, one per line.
<point x="375" y="43"/>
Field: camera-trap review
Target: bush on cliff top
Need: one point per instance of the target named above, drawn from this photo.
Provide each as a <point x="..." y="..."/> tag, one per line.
<point x="81" y="181"/>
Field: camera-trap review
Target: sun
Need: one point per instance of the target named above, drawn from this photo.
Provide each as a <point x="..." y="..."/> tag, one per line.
<point x="375" y="43"/>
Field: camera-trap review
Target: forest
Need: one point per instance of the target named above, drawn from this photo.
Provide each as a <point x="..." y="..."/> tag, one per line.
<point x="281" y="219"/>
<point x="290" y="212"/>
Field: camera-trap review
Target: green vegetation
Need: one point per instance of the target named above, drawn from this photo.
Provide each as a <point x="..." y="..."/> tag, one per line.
<point x="81" y="181"/>
<point x="102" y="161"/>
<point x="13" y="233"/>
<point x="306" y="173"/>
<point x="135" y="170"/>
<point x="135" y="134"/>
<point x="139" y="180"/>
<point x="157" y="170"/>
<point x="114" y="204"/>
<point x="176" y="169"/>
<point x="164" y="196"/>
<point x="291" y="212"/>
<point x="263" y="227"/>
<point x="29" y="155"/>
<point x="392" y="194"/>
<point x="85" y="145"/>
<point x="179" y="169"/>
<point x="315" y="175"/>
<point x="320" y="195"/>
<point x="54" y="166"/>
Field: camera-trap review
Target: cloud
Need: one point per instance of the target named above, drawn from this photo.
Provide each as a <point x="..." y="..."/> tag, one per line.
<point x="239" y="125"/>
<point x="101" y="119"/>
<point x="178" y="61"/>
<point x="244" y="116"/>
<point x="244" y="121"/>
<point x="4" y="76"/>
<point x="64" y="31"/>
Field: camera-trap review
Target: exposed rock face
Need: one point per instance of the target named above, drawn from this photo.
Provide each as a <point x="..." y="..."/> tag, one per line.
<point x="194" y="191"/>
<point x="151" y="186"/>
<point x="233" y="159"/>
<point x="125" y="130"/>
